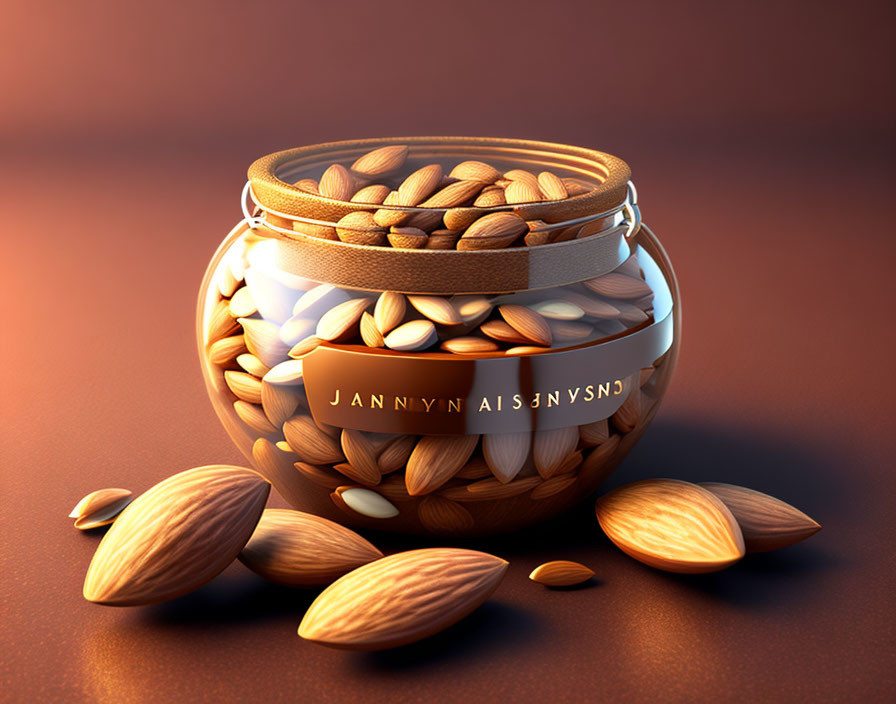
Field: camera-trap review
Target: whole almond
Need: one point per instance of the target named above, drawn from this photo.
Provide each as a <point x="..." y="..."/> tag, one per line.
<point x="436" y="459"/>
<point x="226" y="349"/>
<point x="527" y="323"/>
<point x="401" y="598"/>
<point x="303" y="347"/>
<point x="552" y="486"/>
<point x="337" y="183"/>
<point x="475" y="171"/>
<point x="561" y="573"/>
<point x="244" y="386"/>
<point x="407" y="237"/>
<point x="380" y="162"/>
<point x="524" y="350"/>
<point x="671" y="525"/>
<point x="369" y="333"/>
<point x="361" y="455"/>
<point x="388" y="217"/>
<point x="288" y="373"/>
<point x="280" y="402"/>
<point x="389" y="311"/>
<point x="359" y="228"/>
<point x="308" y="184"/>
<point x="472" y="308"/>
<point x="570" y="330"/>
<point x="490" y="198"/>
<point x="453" y="195"/>
<point x="374" y="194"/>
<point x="551" y="447"/>
<point x="254" y="416"/>
<point x="311" y="443"/>
<point x="322" y="232"/>
<point x="460" y="218"/>
<point x="614" y="285"/>
<point x="593" y="306"/>
<point x="412" y="336"/>
<point x="440" y="515"/>
<point x="501" y="331"/>
<point x="551" y="186"/>
<point x="340" y="323"/>
<point x="300" y="549"/>
<point x="395" y="453"/>
<point x="558" y="310"/>
<point x="576" y="186"/>
<point x="425" y="220"/>
<point x="242" y="305"/>
<point x="767" y="523"/>
<point x="468" y="345"/>
<point x="100" y="508"/>
<point x="597" y="465"/>
<point x="522" y="192"/>
<point x="364" y="502"/>
<point x="419" y="185"/>
<point x="442" y="239"/>
<point x="438" y="310"/>
<point x="493" y="231"/>
<point x="506" y="453"/>
<point x="177" y="536"/>
<point x="523" y="176"/>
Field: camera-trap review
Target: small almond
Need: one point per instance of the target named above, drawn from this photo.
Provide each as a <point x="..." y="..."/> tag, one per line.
<point x="380" y="162"/>
<point x="100" y="508"/>
<point x="407" y="238"/>
<point x="435" y="459"/>
<point x="395" y="453"/>
<point x="594" y="433"/>
<point x="226" y="349"/>
<point x="280" y="402"/>
<point x="767" y="523"/>
<point x="321" y="476"/>
<point x="561" y="573"/>
<point x="369" y="333"/>
<point x="527" y="323"/>
<point x="453" y="195"/>
<point x="242" y="305"/>
<point x="523" y="176"/>
<point x="460" y="218"/>
<point x="442" y="239"/>
<point x="300" y="549"/>
<point x="288" y="373"/>
<point x="365" y="502"/>
<point x="552" y="486"/>
<point x="558" y="310"/>
<point x="374" y="194"/>
<point x="303" y="347"/>
<point x="490" y="198"/>
<point x="263" y="340"/>
<point x="401" y="598"/>
<point x="309" y="185"/>
<point x="501" y="331"/>
<point x="221" y="322"/>
<point x="491" y="489"/>
<point x="469" y="345"/>
<point x="671" y="525"/>
<point x="254" y="417"/>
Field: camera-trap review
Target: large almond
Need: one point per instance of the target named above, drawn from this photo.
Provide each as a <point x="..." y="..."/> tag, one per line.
<point x="300" y="549"/>
<point x="436" y="459"/>
<point x="177" y="536"/>
<point x="671" y="525"/>
<point x="767" y="523"/>
<point x="493" y="231"/>
<point x="402" y="598"/>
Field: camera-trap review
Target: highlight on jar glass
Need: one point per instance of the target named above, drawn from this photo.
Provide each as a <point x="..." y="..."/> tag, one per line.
<point x="438" y="335"/>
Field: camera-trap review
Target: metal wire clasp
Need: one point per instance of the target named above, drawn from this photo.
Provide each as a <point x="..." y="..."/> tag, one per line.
<point x="632" y="211"/>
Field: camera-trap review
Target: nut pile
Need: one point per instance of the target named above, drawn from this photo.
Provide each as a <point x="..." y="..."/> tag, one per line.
<point x="267" y="320"/>
<point x="448" y="208"/>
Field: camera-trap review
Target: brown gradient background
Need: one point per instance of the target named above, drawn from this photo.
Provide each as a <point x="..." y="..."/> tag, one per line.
<point x="761" y="140"/>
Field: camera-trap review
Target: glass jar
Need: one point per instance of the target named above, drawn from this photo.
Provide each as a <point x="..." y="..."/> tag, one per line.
<point x="387" y="371"/>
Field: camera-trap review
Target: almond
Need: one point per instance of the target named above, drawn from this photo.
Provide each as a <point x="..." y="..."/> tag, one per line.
<point x="303" y="347"/>
<point x="493" y="231"/>
<point x="395" y="453"/>
<point x="524" y="350"/>
<point x="263" y="340"/>
<point x="425" y="220"/>
<point x="277" y="466"/>
<point x="364" y="501"/>
<point x="551" y="186"/>
<point x="297" y="328"/>
<point x="570" y="330"/>
<point x="311" y="443"/>
<point x="320" y="475"/>
<point x="177" y="536"/>
<point x="490" y="198"/>
<point x="244" y="386"/>
<point x="288" y="373"/>
<point x="374" y="194"/>
<point x="521" y="192"/>
<point x="100" y="508"/>
<point x="442" y="239"/>
<point x="627" y="417"/>
<point x="614" y="285"/>
<point x="242" y="305"/>
<point x="594" y="433"/>
<point x="558" y="310"/>
<point x="551" y="447"/>
<point x="389" y="311"/>
<point x="359" y="227"/>
<point x="475" y="171"/>
<point x="254" y="417"/>
<point x="501" y="331"/>
<point x="671" y="525"/>
<point x="552" y="486"/>
<point x="340" y="323"/>
<point x="460" y="218"/>
<point x="523" y="176"/>
<point x="393" y="489"/>
<point x="387" y="217"/>
<point x="412" y="336"/>
<point x="476" y="468"/>
<point x="419" y="185"/>
<point x="561" y="573"/>
<point x="322" y="232"/>
<point x="225" y="350"/>
<point x="528" y="323"/>
<point x="453" y="195"/>
<point x="597" y="465"/>
<point x="767" y="523"/>
<point x="371" y="336"/>
<point x="594" y="307"/>
<point x="361" y="456"/>
<point x="252" y="364"/>
<point x="437" y="309"/>
<point x="337" y="183"/>
<point x="491" y="489"/>
<point x="472" y="308"/>
<point x="380" y="162"/>
<point x="440" y="515"/>
<point x="506" y="453"/>
<point x="469" y="345"/>
<point x="407" y="238"/>
<point x="401" y="598"/>
<point x="221" y="322"/>
<point x="300" y="549"/>
<point x="436" y="459"/>
<point x="576" y="186"/>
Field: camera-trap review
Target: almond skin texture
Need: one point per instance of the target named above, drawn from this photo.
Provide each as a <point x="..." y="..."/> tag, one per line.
<point x="100" y="508"/>
<point x="561" y="573"/>
<point x="436" y="459"/>
<point x="380" y="161"/>
<point x="337" y="183"/>
<point x="527" y="323"/>
<point x="551" y="186"/>
<point x="766" y="522"/>
<point x="671" y="525"/>
<point x="492" y="231"/>
<point x="419" y="185"/>
<point x="475" y="171"/>
<point x="402" y="598"/>
<point x="177" y="536"/>
<point x="300" y="549"/>
<point x="389" y="311"/>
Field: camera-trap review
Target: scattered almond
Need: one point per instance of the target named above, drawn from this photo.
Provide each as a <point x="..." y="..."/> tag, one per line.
<point x="561" y="573"/>
<point x="100" y="508"/>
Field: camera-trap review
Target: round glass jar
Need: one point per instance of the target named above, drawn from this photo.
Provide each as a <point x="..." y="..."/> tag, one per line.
<point x="393" y="360"/>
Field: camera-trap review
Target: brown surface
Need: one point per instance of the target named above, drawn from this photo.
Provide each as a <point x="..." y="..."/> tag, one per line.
<point x="762" y="152"/>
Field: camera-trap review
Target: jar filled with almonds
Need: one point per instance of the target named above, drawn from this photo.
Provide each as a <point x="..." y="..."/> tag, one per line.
<point x="443" y="335"/>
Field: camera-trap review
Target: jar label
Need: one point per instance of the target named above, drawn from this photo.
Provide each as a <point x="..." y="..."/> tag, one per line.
<point x="393" y="392"/>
